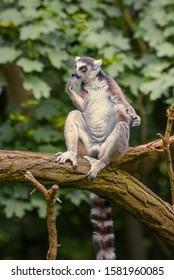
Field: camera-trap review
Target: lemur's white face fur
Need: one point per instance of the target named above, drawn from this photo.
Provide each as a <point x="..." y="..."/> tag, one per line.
<point x="86" y="68"/>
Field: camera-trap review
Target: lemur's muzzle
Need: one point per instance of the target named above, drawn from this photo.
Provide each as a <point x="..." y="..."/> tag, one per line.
<point x="74" y="74"/>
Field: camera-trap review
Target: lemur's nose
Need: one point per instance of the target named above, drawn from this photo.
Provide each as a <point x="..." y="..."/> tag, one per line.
<point x="74" y="74"/>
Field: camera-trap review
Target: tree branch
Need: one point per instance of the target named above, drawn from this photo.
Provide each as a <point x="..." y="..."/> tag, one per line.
<point x="118" y="186"/>
<point x="50" y="196"/>
<point x="166" y="143"/>
<point x="129" y="20"/>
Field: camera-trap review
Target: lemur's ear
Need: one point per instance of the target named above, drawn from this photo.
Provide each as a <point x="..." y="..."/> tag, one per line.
<point x="97" y="63"/>
<point x="77" y="58"/>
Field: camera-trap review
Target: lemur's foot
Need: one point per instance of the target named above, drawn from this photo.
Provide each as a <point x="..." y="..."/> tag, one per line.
<point x="96" y="166"/>
<point x="66" y="156"/>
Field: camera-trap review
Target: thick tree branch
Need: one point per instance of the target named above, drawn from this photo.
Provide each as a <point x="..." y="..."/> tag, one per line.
<point x="118" y="186"/>
<point x="14" y="164"/>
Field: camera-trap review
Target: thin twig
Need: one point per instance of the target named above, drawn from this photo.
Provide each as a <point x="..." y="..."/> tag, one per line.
<point x="51" y="198"/>
<point x="37" y="185"/>
<point x="165" y="138"/>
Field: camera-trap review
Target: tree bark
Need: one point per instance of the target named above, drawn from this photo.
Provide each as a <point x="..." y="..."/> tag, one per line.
<point x="118" y="186"/>
<point x="14" y="88"/>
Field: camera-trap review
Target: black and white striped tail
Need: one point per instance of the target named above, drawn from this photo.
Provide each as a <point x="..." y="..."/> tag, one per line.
<point x="103" y="236"/>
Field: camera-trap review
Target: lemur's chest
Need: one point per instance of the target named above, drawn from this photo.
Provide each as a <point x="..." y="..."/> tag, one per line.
<point x="100" y="113"/>
<point x="97" y="93"/>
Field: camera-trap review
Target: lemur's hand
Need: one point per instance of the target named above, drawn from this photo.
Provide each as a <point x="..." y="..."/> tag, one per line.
<point x="71" y="82"/>
<point x="135" y="119"/>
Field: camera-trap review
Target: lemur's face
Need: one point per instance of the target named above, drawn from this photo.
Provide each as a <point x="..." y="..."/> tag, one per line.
<point x="86" y="68"/>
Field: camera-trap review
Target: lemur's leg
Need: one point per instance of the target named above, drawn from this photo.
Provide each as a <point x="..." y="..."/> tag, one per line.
<point x="74" y="131"/>
<point x="114" y="147"/>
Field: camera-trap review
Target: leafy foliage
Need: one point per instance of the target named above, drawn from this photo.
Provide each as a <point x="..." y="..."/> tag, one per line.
<point x="43" y="126"/>
<point x="48" y="34"/>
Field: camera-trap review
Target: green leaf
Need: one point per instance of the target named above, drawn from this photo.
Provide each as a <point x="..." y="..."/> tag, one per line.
<point x="47" y="135"/>
<point x="151" y="86"/>
<point x="15" y="208"/>
<point x="57" y="57"/>
<point x="156" y="68"/>
<point x="48" y="109"/>
<point x="160" y="16"/>
<point x="133" y="82"/>
<point x="161" y="3"/>
<point x="165" y="49"/>
<point x="20" y="191"/>
<point x="29" y="4"/>
<point x="34" y="31"/>
<point x="10" y="16"/>
<point x="112" y="11"/>
<point x="121" y="43"/>
<point x="97" y="22"/>
<point x="71" y="9"/>
<point x="158" y="87"/>
<point x="109" y="52"/>
<point x="136" y="4"/>
<point x="30" y="65"/>
<point x="6" y="133"/>
<point x="76" y="197"/>
<point x="30" y="14"/>
<point x="98" y="40"/>
<point x="8" y="54"/>
<point x="39" y="203"/>
<point x="114" y="69"/>
<point x="38" y="86"/>
<point x="169" y="31"/>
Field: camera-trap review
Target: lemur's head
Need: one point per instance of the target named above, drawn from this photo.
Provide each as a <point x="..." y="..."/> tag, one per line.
<point x="86" y="68"/>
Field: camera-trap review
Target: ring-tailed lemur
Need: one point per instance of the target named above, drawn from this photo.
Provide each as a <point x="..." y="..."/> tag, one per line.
<point x="101" y="123"/>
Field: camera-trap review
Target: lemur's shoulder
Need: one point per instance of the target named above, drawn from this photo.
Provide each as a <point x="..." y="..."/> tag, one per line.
<point x="113" y="88"/>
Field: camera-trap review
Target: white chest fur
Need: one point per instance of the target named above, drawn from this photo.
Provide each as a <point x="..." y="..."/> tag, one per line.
<point x="100" y="112"/>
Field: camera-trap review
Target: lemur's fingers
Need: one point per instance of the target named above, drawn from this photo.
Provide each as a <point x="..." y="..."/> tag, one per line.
<point x="136" y="121"/>
<point x="71" y="82"/>
<point x="67" y="156"/>
<point x="58" y="154"/>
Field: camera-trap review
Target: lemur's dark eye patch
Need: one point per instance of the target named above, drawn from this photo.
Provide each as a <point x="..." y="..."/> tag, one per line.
<point x="83" y="68"/>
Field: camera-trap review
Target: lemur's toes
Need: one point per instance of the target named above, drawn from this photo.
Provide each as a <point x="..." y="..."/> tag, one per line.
<point x="90" y="159"/>
<point x="91" y="175"/>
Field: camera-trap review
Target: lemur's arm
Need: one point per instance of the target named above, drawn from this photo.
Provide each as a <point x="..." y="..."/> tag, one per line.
<point x="118" y="97"/>
<point x="75" y="97"/>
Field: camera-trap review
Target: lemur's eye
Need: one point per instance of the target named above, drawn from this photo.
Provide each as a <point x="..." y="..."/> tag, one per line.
<point x="83" y="69"/>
